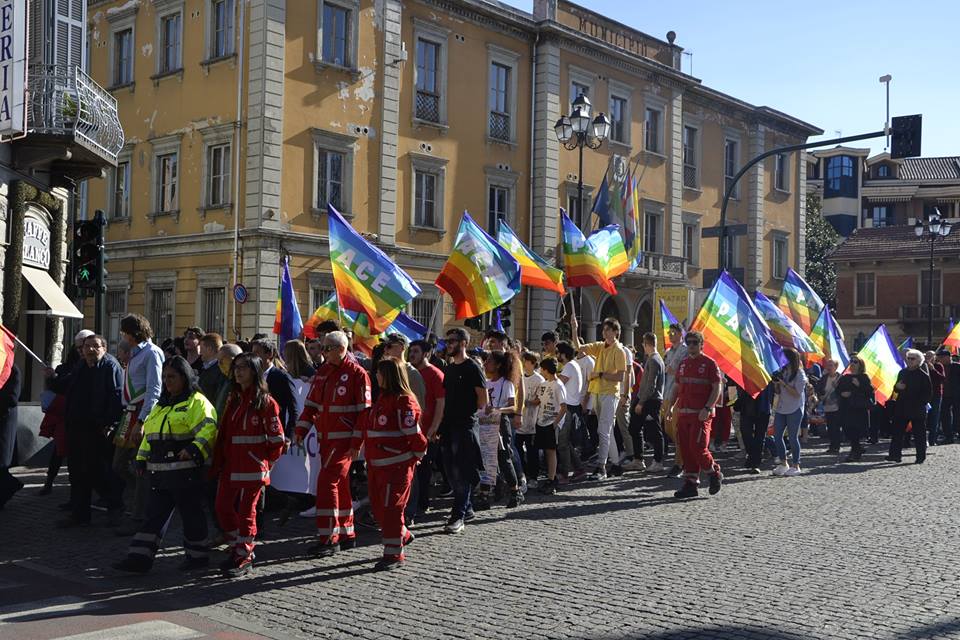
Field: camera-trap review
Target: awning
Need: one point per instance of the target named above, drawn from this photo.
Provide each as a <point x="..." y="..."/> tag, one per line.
<point x="52" y="294"/>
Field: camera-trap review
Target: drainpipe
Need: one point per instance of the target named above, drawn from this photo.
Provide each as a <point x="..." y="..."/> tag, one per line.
<point x="236" y="158"/>
<point x="533" y="115"/>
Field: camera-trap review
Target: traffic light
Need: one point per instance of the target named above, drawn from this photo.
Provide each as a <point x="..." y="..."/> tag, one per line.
<point x="88" y="258"/>
<point x="473" y="323"/>
<point x="505" y="315"/>
<point x="905" y="136"/>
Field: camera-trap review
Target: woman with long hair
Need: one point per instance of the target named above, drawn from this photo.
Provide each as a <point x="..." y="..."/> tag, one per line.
<point x="393" y="445"/>
<point x="791" y="386"/>
<point x="857" y="399"/>
<point x="251" y="440"/>
<point x="496" y="431"/>
<point x="178" y="438"/>
<point x="300" y="368"/>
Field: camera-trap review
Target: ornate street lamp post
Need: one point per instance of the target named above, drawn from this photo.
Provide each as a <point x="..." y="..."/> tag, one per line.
<point x="936" y="228"/>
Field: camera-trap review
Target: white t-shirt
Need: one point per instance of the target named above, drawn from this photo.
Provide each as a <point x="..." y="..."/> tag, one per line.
<point x="528" y="421"/>
<point x="500" y="393"/>
<point x="551" y="395"/>
<point x="586" y="370"/>
<point x="574" y="384"/>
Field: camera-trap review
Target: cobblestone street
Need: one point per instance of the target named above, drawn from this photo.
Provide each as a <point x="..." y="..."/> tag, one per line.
<point x="848" y="551"/>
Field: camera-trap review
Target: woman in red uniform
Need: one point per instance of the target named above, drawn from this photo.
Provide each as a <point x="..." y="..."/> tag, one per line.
<point x="394" y="445"/>
<point x="249" y="441"/>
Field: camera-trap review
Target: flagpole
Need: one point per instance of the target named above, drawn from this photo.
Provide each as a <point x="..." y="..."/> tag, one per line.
<point x="27" y="349"/>
<point x="433" y="316"/>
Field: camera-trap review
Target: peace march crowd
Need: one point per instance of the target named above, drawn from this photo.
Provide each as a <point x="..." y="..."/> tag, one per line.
<point x="196" y="425"/>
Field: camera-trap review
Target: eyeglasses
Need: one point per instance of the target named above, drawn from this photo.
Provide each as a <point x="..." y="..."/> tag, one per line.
<point x="330" y="347"/>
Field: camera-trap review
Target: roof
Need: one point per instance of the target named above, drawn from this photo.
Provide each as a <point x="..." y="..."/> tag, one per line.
<point x="886" y="242"/>
<point x="944" y="168"/>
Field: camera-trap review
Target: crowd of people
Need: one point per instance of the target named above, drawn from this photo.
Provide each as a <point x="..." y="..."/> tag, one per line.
<point x="195" y="425"/>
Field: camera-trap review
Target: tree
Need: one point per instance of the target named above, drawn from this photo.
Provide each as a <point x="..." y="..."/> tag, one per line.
<point x="822" y="238"/>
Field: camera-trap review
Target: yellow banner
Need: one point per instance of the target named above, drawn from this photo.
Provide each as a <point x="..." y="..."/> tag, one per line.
<point x="677" y="300"/>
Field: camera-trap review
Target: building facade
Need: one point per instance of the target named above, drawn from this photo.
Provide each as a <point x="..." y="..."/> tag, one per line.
<point x="56" y="136"/>
<point x="244" y="119"/>
<point x="883" y="268"/>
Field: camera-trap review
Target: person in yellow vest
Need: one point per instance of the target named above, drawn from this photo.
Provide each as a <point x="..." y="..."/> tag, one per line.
<point x="605" y="383"/>
<point x="178" y="438"/>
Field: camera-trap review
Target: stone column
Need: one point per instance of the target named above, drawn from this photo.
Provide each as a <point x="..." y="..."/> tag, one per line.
<point x="387" y="229"/>
<point x="674" y="144"/>
<point x="800" y="193"/>
<point x="753" y="269"/>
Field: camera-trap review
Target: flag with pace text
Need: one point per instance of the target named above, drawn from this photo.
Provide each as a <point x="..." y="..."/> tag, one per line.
<point x="786" y="332"/>
<point x="799" y="301"/>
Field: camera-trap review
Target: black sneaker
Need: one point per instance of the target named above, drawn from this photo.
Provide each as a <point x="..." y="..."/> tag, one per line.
<point x="193" y="564"/>
<point x="516" y="499"/>
<point x="549" y="488"/>
<point x="675" y="471"/>
<point x="469" y="515"/>
<point x="347" y="543"/>
<point x="716" y="480"/>
<point x="238" y="571"/>
<point x="615" y="471"/>
<point x="131" y="564"/>
<point x="481" y="502"/>
<point x="321" y="550"/>
<point x="689" y="490"/>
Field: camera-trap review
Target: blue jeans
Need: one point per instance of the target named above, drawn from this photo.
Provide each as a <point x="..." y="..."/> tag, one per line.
<point x="460" y="451"/>
<point x="933" y="420"/>
<point x="789" y="422"/>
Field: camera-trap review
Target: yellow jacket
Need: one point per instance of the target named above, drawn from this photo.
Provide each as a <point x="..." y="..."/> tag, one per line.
<point x="190" y="424"/>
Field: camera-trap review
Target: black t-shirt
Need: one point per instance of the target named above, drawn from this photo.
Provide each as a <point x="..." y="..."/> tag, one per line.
<point x="460" y="381"/>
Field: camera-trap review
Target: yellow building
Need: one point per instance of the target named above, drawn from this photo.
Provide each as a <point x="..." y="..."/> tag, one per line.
<point x="405" y="114"/>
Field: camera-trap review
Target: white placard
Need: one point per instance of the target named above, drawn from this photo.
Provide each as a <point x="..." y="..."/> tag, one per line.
<point x="13" y="66"/>
<point x="36" y="241"/>
<point x="296" y="470"/>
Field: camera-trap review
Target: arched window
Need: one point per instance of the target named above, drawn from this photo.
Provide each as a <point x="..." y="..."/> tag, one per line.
<point x="841" y="181"/>
<point x="644" y="321"/>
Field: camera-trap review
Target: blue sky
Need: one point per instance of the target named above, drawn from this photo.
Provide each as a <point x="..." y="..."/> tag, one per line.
<point x="819" y="61"/>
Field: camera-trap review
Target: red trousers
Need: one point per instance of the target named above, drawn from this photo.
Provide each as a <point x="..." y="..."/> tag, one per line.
<point x="722" y="424"/>
<point x="694" y="438"/>
<point x="389" y="492"/>
<point x="334" y="503"/>
<point x="236" y="508"/>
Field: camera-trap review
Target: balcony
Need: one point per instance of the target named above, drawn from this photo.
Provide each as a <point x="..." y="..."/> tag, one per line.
<point x="910" y="313"/>
<point x="657" y="265"/>
<point x="72" y="124"/>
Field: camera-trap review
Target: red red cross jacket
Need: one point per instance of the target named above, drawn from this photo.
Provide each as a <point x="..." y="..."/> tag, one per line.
<point x="338" y="395"/>
<point x="249" y="441"/>
<point x="391" y="433"/>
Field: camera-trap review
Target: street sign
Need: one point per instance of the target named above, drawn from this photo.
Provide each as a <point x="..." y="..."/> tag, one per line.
<point x="239" y="293"/>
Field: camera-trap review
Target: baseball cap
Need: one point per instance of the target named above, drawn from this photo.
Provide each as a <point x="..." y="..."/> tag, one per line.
<point x="83" y="334"/>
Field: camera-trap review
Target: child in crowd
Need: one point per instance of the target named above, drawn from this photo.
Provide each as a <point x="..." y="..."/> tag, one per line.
<point x="551" y="411"/>
<point x="494" y="424"/>
<point x="528" y="423"/>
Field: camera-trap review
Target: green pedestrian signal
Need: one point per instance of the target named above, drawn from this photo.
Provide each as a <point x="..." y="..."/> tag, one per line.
<point x="87" y="255"/>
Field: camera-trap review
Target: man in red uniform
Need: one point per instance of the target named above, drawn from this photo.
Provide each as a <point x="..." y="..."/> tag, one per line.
<point x="693" y="397"/>
<point x="339" y="393"/>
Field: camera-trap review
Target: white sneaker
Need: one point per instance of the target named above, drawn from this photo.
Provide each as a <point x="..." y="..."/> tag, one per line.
<point x="793" y="471"/>
<point x="523" y="485"/>
<point x="531" y="484"/>
<point x="712" y="447"/>
<point x="635" y="465"/>
<point x="781" y="469"/>
<point x="309" y="513"/>
<point x="655" y="467"/>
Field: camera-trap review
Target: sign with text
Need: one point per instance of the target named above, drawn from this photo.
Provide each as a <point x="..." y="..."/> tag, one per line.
<point x="677" y="300"/>
<point x="13" y="66"/>
<point x="296" y="470"/>
<point x="36" y="241"/>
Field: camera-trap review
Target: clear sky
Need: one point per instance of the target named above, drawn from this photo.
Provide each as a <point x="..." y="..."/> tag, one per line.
<point x="819" y="60"/>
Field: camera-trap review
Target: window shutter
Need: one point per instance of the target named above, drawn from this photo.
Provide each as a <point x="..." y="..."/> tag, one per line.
<point x="69" y="46"/>
<point x="37" y="35"/>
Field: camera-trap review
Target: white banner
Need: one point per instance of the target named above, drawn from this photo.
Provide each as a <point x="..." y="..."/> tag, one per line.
<point x="296" y="470"/>
<point x="13" y="66"/>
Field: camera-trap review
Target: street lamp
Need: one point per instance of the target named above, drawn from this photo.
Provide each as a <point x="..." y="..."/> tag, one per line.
<point x="936" y="228"/>
<point x="575" y="132"/>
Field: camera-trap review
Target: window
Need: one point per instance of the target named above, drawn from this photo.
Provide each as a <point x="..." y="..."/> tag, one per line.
<point x="691" y="240"/>
<point x="425" y="200"/>
<point x="498" y="203"/>
<point x="883" y="171"/>
<point x="499" y="101"/>
<point x="652" y="221"/>
<point x="319" y="295"/>
<point x="221" y="29"/>
<point x="161" y="313"/>
<point x="651" y="134"/>
<point x="123" y="57"/>
<point x="731" y="162"/>
<point x="116" y="309"/>
<point x="578" y="89"/>
<point x="781" y="177"/>
<point x="213" y="307"/>
<point x="619" y="120"/>
<point x="690" y="173"/>
<point x="575" y="209"/>
<point x="69" y="31"/>
<point x="170" y="43"/>
<point x="866" y="290"/>
<point x="428" y="81"/>
<point x="781" y="257"/>
<point x="330" y="179"/>
<point x="166" y="183"/>
<point x="925" y="282"/>
<point x="335" y="35"/>
<point x="422" y="309"/>
<point x="881" y="216"/>
<point x="841" y="181"/>
<point x="120" y="202"/>
<point x="218" y="175"/>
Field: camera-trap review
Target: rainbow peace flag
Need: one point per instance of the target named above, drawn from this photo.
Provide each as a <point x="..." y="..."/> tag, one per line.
<point x="367" y="281"/>
<point x="407" y="327"/>
<point x="736" y="336"/>
<point x="594" y="260"/>
<point x="952" y="341"/>
<point x="881" y="363"/>
<point x="799" y="301"/>
<point x="666" y="319"/>
<point x="534" y="271"/>
<point x="607" y="244"/>
<point x="906" y="344"/>
<point x="6" y="354"/>
<point x="356" y="322"/>
<point x="631" y="221"/>
<point x="826" y="335"/>
<point x="479" y="275"/>
<point x="785" y="331"/>
<point x="287" y="323"/>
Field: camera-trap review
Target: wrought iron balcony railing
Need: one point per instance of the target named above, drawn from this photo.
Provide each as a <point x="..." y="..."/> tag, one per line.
<point x="917" y="312"/>
<point x="64" y="101"/>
